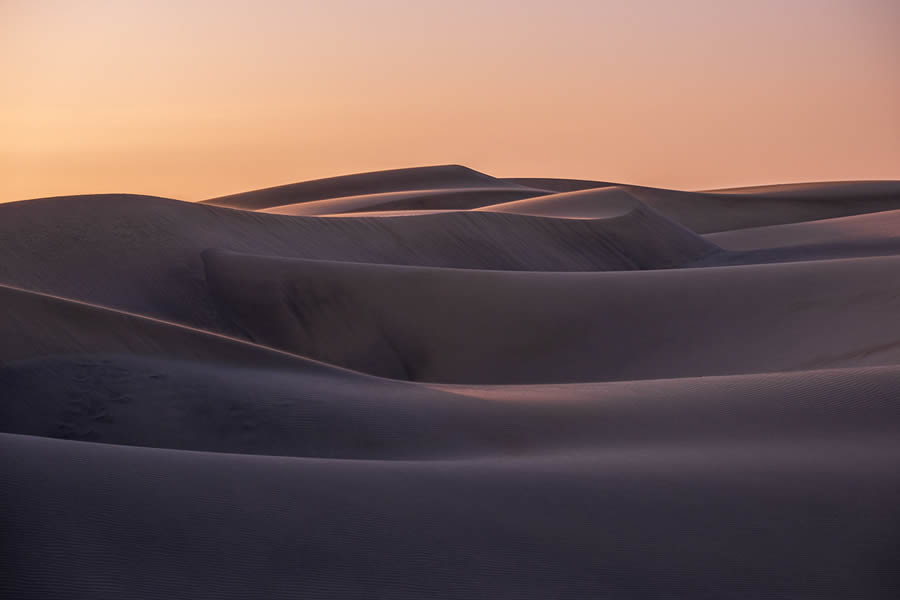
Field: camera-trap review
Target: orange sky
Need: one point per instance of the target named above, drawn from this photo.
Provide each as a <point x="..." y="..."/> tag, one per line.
<point x="193" y="99"/>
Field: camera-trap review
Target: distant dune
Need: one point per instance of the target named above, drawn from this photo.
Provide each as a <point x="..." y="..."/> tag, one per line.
<point x="420" y="178"/>
<point x="435" y="383"/>
<point x="452" y="199"/>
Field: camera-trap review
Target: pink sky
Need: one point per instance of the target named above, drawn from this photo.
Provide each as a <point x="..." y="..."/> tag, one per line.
<point x="196" y="99"/>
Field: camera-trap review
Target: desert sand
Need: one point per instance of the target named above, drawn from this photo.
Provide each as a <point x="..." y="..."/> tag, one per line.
<point x="434" y="383"/>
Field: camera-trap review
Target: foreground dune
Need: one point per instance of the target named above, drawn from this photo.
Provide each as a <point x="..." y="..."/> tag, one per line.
<point x="434" y="383"/>
<point x="721" y="520"/>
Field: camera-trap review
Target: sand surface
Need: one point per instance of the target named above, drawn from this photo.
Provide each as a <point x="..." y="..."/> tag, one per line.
<point x="434" y="383"/>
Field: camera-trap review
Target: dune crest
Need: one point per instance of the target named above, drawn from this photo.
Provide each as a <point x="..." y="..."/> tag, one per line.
<point x="440" y="199"/>
<point x="398" y="180"/>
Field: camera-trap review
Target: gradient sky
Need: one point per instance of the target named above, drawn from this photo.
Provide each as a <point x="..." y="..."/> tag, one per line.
<point x="194" y="99"/>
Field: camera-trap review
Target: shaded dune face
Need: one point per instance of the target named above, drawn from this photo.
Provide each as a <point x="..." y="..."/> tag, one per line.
<point x="329" y="413"/>
<point x="496" y="327"/>
<point x="143" y="254"/>
<point x="435" y="383"/>
<point x="37" y="325"/>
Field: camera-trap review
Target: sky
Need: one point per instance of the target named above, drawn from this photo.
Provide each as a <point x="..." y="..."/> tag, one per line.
<point x="196" y="99"/>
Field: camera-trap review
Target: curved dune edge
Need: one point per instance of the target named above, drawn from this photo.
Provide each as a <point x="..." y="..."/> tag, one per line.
<point x="556" y="184"/>
<point x="866" y="228"/>
<point x="35" y="325"/>
<point x="145" y="258"/>
<point x="397" y="180"/>
<point x="707" y="211"/>
<point x="817" y="189"/>
<point x="729" y="210"/>
<point x="710" y="212"/>
<point x="602" y="203"/>
<point x="446" y="199"/>
<point x="446" y="325"/>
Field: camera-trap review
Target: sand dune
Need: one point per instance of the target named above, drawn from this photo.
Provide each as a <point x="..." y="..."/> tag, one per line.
<point x="846" y="190"/>
<point x="444" y="187"/>
<point x="420" y="178"/>
<point x="557" y="185"/>
<point x="722" y="520"/>
<point x="330" y="413"/>
<point x="499" y="327"/>
<point x="146" y="256"/>
<point x="601" y="203"/>
<point x="868" y="228"/>
<point x="708" y="212"/>
<point x="461" y="198"/>
<point x="35" y="325"/>
<point x="434" y="383"/>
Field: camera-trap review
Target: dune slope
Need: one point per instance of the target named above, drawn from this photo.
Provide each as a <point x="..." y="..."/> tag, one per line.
<point x="709" y="212"/>
<point x="330" y="413"/>
<point x="418" y="178"/>
<point x="498" y="327"/>
<point x="446" y="199"/>
<point x="142" y="254"/>
<point x="36" y="325"/>
<point x="857" y="229"/>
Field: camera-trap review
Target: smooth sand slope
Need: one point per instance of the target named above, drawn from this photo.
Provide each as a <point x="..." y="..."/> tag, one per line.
<point x="704" y="212"/>
<point x="713" y="520"/>
<point x="434" y="383"/>
<point x="447" y="199"/>
<point x="708" y="212"/>
<point x="419" y="178"/>
<point x="331" y="413"/>
<point x="143" y="254"/>
<point x="598" y="203"/>
<point x="857" y="229"/>
<point x="557" y="185"/>
<point x="36" y="325"/>
<point x="499" y="327"/>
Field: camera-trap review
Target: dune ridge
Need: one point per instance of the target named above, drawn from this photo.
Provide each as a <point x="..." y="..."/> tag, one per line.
<point x="398" y="180"/>
<point x="440" y="199"/>
<point x="329" y="413"/>
<point x="36" y="325"/>
<point x="146" y="256"/>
